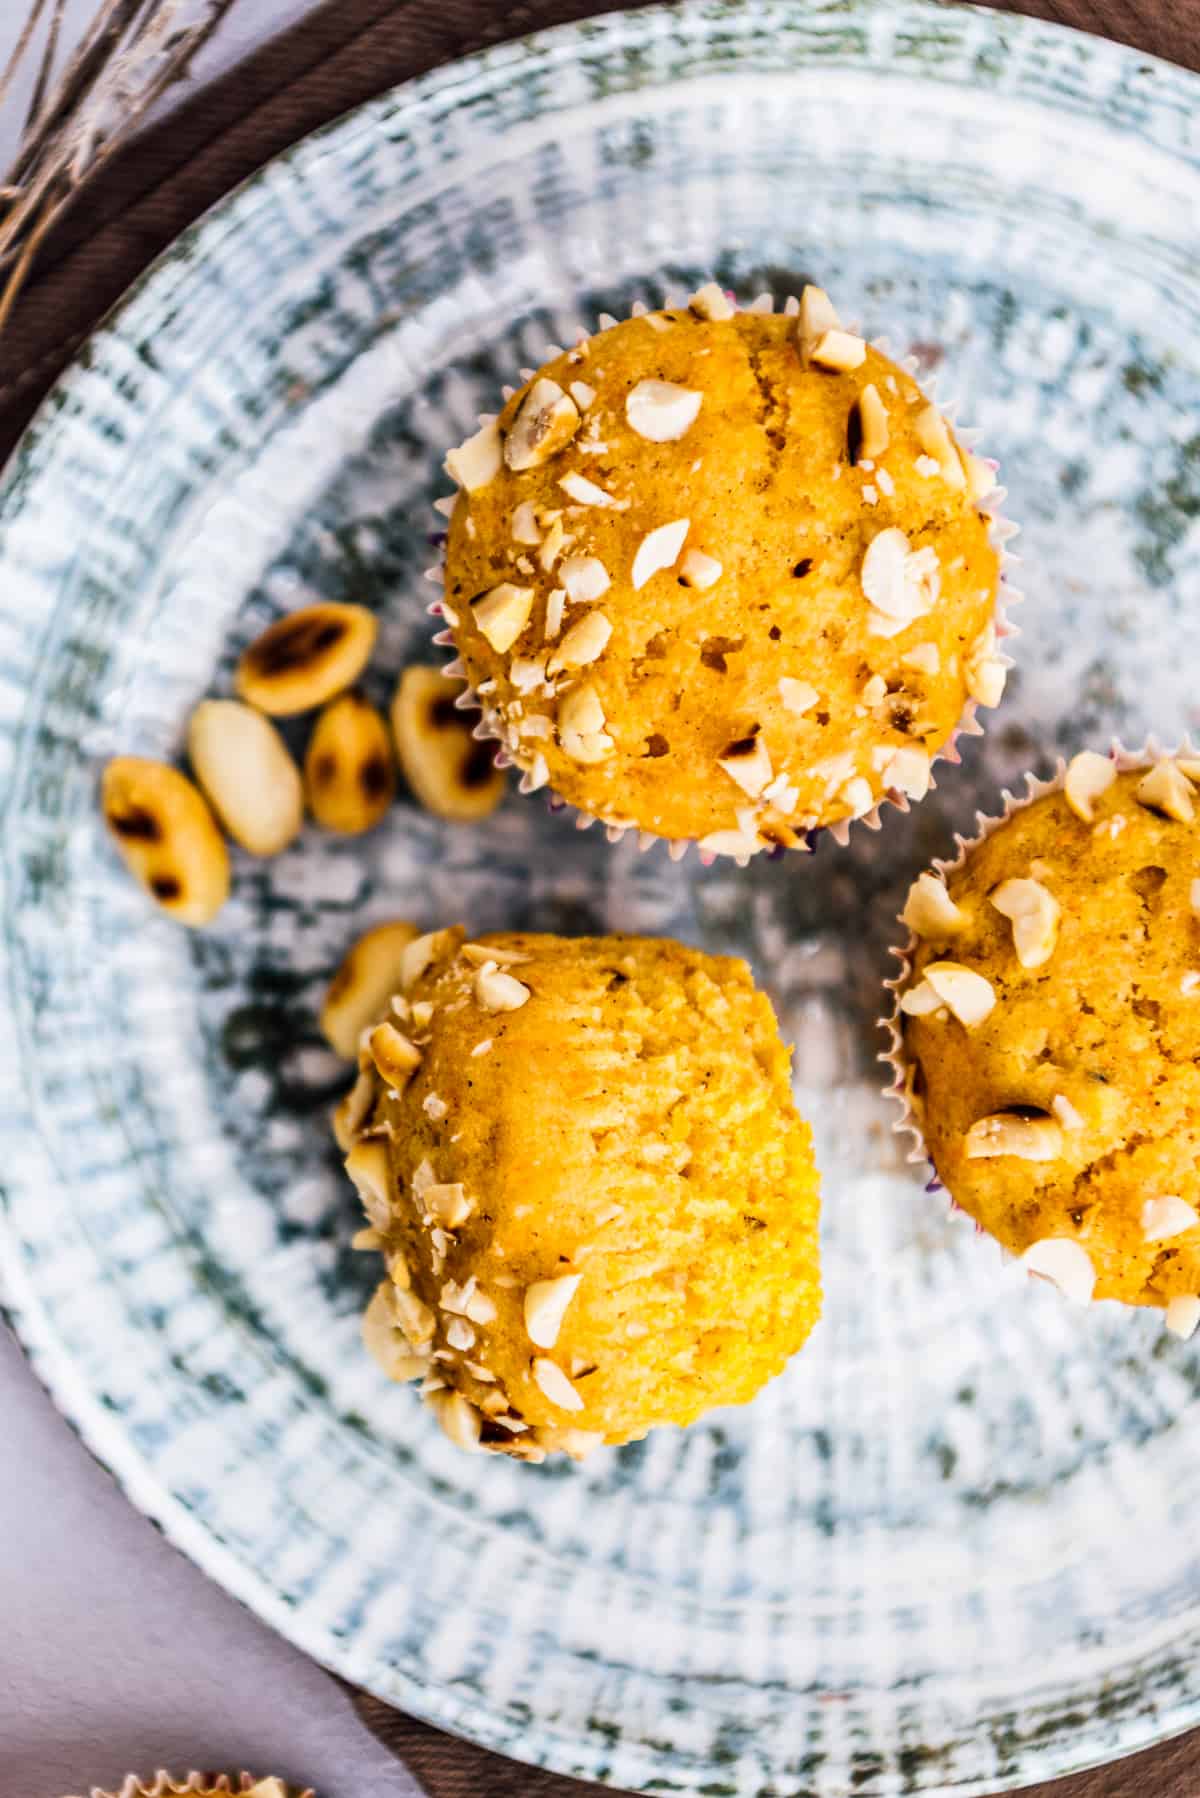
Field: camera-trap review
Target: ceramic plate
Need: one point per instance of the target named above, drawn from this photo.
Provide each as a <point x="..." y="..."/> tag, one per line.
<point x="954" y="1547"/>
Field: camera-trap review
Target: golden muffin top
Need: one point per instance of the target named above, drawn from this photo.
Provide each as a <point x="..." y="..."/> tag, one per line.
<point x="591" y="1186"/>
<point x="1052" y="1024"/>
<point x="723" y="575"/>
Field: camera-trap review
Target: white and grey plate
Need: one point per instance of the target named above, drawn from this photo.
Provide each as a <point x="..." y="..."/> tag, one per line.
<point x="953" y="1548"/>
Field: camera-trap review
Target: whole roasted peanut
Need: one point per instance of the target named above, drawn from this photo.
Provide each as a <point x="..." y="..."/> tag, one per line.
<point x="349" y="777"/>
<point x="367" y="978"/>
<point x="303" y="660"/>
<point x="168" y="837"/>
<point x="449" y="771"/>
<point x="248" y="777"/>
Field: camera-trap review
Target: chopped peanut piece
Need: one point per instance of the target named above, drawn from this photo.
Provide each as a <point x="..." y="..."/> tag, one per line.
<point x="929" y="910"/>
<point x="1088" y="776"/>
<point x="1035" y="915"/>
<point x="969" y="996"/>
<point x="546" y="1305"/>
<point x="839" y="351"/>
<point x="1010" y="1133"/>
<point x="1065" y="1263"/>
<point x="1167" y="789"/>
<point x="933" y="434"/>
<point x="1167" y="1217"/>
<point x="503" y="613"/>
<point x="873" y="414"/>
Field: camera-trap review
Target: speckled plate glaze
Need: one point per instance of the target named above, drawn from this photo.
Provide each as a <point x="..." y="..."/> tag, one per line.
<point x="953" y="1549"/>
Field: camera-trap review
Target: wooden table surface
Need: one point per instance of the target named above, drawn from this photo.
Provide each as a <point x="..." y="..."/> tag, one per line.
<point x="343" y="52"/>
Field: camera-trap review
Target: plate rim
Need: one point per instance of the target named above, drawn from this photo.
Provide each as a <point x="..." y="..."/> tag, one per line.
<point x="539" y="1743"/>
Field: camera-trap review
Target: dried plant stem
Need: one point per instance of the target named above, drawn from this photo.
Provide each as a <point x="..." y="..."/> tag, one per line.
<point x="49" y="52"/>
<point x="20" y="47"/>
<point x="16" y="279"/>
<point x="85" y="68"/>
<point x="131" y="52"/>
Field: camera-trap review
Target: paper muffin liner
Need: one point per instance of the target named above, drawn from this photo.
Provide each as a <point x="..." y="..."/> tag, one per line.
<point x="202" y="1785"/>
<point x="909" y="1121"/>
<point x="490" y="728"/>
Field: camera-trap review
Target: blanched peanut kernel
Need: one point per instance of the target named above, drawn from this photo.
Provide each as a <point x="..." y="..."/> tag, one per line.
<point x="250" y="780"/>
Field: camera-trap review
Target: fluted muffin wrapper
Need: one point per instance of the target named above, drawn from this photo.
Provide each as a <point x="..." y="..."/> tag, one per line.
<point x="1001" y="531"/>
<point x="201" y="1785"/>
<point x="909" y="1121"/>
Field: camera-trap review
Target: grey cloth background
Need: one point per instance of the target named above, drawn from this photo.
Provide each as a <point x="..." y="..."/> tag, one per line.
<point x="115" y="1653"/>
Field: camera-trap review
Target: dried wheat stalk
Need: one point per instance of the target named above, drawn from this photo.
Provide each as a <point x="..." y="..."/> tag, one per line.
<point x="131" y="52"/>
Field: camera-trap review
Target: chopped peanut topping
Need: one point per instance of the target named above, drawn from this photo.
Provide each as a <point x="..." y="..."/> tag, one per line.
<point x="1088" y="776"/>
<point x="1008" y="1133"/>
<point x="1035" y="915"/>
<point x="929" y="910"/>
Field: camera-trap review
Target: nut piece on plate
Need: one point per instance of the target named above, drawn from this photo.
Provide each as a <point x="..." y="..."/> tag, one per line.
<point x="349" y="777"/>
<point x="450" y="772"/>
<point x="369" y="975"/>
<point x="557" y="1299"/>
<point x="304" y="659"/>
<point x="250" y="780"/>
<point x="167" y="835"/>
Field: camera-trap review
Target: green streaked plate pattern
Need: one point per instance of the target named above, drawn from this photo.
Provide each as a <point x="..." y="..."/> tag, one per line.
<point x="952" y="1549"/>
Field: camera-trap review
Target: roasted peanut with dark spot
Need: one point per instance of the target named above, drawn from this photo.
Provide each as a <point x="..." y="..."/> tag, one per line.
<point x="349" y="774"/>
<point x="449" y="771"/>
<point x="303" y="660"/>
<point x="167" y="836"/>
<point x="367" y="978"/>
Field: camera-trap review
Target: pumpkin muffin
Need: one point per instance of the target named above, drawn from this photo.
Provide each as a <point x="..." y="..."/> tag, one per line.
<point x="595" y="1199"/>
<point x="202" y="1785"/>
<point x="1049" y="1029"/>
<point x="723" y="576"/>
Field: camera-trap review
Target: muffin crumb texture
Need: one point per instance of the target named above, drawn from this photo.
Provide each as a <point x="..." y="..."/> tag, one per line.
<point x="596" y="1203"/>
<point x="1062" y="1110"/>
<point x="724" y="576"/>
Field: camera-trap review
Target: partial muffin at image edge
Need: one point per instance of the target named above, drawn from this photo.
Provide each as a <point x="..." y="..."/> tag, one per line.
<point x="596" y="1202"/>
<point x="725" y="576"/>
<point x="1046" y="1036"/>
<point x="202" y="1785"/>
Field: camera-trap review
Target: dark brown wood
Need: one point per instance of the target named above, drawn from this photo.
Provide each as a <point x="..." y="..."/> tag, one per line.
<point x="343" y="53"/>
